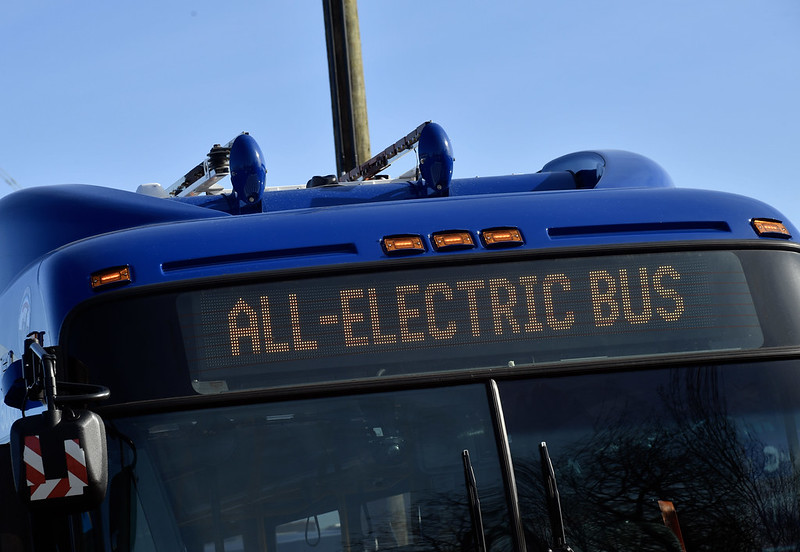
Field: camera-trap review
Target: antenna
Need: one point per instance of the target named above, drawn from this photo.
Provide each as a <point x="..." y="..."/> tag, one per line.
<point x="10" y="180"/>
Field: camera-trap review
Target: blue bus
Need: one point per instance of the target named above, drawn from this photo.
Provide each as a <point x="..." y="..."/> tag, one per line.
<point x="587" y="358"/>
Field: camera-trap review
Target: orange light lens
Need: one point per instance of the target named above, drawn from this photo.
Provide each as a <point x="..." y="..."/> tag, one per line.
<point x="452" y="240"/>
<point x="403" y="244"/>
<point x="119" y="274"/>
<point x="770" y="228"/>
<point x="498" y="237"/>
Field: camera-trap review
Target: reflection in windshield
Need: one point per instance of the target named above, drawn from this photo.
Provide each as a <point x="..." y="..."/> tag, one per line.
<point x="719" y="443"/>
<point x="373" y="472"/>
<point x="700" y="459"/>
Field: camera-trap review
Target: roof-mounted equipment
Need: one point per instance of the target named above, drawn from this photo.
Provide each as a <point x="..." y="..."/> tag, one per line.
<point x="435" y="160"/>
<point x="203" y="177"/>
<point x="248" y="170"/>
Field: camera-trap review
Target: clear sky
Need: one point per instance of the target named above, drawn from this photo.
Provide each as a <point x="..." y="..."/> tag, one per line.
<point x="123" y="93"/>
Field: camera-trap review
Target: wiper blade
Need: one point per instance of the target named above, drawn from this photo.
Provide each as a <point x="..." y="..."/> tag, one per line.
<point x="553" y="502"/>
<point x="474" y="503"/>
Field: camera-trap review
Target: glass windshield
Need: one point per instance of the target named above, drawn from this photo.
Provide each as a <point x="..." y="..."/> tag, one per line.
<point x="498" y="315"/>
<point x="714" y="449"/>
<point x="374" y="472"/>
<point x="699" y="458"/>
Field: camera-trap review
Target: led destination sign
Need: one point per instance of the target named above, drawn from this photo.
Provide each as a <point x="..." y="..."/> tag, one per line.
<point x="500" y="314"/>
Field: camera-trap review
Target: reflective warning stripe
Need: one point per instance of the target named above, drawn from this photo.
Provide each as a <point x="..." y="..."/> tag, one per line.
<point x="32" y="457"/>
<point x="42" y="488"/>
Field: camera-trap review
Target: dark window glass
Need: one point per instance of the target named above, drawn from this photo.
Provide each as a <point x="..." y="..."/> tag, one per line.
<point x="375" y="472"/>
<point x="720" y="443"/>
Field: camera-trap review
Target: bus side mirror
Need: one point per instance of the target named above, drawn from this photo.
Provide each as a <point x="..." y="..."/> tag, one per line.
<point x="59" y="460"/>
<point x="15" y="392"/>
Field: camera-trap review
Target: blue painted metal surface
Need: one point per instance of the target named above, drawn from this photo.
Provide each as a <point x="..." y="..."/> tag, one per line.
<point x="248" y="170"/>
<point x="52" y="239"/>
<point x="435" y="159"/>
<point x="36" y="221"/>
<point x="607" y="188"/>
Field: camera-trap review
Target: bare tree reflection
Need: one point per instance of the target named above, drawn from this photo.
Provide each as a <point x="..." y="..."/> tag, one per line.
<point x="733" y="490"/>
<point x="446" y="525"/>
<point x="730" y="491"/>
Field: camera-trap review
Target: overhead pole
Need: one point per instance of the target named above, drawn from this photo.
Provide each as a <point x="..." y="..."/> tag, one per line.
<point x="348" y="95"/>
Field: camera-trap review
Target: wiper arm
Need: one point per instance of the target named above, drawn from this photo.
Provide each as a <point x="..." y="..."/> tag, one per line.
<point x="553" y="502"/>
<point x="474" y="503"/>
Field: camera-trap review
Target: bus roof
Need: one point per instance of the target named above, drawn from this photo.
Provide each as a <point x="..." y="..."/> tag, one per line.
<point x="579" y="199"/>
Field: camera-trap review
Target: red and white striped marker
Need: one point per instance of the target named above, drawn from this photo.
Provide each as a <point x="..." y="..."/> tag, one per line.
<point x="41" y="487"/>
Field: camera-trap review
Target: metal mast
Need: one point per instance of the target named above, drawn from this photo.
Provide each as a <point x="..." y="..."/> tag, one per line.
<point x="348" y="96"/>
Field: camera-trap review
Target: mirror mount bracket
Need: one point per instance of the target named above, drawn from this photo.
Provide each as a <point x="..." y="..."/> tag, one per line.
<point x="59" y="456"/>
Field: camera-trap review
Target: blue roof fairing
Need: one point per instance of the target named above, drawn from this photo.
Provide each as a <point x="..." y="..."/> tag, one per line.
<point x="584" y="199"/>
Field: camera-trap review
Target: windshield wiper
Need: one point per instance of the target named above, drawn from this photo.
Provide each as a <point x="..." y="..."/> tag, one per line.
<point x="474" y="503"/>
<point x="553" y="502"/>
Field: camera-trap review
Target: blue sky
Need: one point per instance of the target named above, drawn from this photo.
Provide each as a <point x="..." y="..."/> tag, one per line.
<point x="122" y="93"/>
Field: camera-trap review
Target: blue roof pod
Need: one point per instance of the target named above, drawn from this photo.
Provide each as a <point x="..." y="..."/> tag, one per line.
<point x="248" y="170"/>
<point x="611" y="169"/>
<point x="602" y="169"/>
<point x="435" y="159"/>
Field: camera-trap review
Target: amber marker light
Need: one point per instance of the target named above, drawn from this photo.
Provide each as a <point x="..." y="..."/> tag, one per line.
<point x="116" y="275"/>
<point x="453" y="239"/>
<point x="501" y="237"/>
<point x="770" y="228"/>
<point x="400" y="245"/>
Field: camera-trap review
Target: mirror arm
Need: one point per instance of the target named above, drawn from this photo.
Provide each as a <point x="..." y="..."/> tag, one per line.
<point x="86" y="392"/>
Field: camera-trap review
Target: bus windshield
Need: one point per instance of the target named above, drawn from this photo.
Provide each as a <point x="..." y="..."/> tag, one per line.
<point x="715" y="445"/>
<point x="373" y="472"/>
